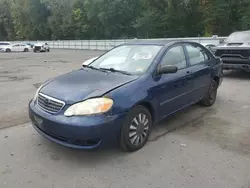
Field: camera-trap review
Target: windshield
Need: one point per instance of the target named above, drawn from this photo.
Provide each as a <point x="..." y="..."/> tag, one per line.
<point x="133" y="59"/>
<point x="239" y="37"/>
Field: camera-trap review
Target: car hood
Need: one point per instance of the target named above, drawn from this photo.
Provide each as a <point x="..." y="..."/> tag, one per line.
<point x="38" y="44"/>
<point x="83" y="84"/>
<point x="234" y="45"/>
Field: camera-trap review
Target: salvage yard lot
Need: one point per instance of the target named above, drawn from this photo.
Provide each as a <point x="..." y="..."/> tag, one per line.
<point x="198" y="147"/>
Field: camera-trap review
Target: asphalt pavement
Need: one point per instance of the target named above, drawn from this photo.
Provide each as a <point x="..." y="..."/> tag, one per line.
<point x="198" y="147"/>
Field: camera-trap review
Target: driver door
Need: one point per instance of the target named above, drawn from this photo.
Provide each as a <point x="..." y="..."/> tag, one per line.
<point x="172" y="91"/>
<point x="15" y="48"/>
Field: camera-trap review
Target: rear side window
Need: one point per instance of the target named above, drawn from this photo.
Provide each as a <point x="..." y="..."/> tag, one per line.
<point x="175" y="56"/>
<point x="2" y="43"/>
<point x="196" y="54"/>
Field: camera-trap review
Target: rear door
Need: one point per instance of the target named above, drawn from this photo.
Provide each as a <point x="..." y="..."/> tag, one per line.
<point x="15" y="48"/>
<point x="22" y="46"/>
<point x="200" y="64"/>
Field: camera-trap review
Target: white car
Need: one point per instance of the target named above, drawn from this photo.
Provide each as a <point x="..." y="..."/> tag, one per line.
<point x="89" y="61"/>
<point x="15" y="48"/>
<point x="41" y="47"/>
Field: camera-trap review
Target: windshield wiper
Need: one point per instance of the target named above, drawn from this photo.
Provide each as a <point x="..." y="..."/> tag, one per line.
<point x="115" y="70"/>
<point x="94" y="68"/>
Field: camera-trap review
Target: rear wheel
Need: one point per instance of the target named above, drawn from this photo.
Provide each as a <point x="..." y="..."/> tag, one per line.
<point x="136" y="129"/>
<point x="26" y="49"/>
<point x="211" y="95"/>
<point x="8" y="50"/>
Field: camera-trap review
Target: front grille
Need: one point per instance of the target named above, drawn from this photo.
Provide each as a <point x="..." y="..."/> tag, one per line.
<point x="234" y="44"/>
<point x="49" y="104"/>
<point x="233" y="53"/>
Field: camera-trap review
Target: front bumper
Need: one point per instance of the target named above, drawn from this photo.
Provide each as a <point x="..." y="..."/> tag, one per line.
<point x="39" y="49"/>
<point x="236" y="64"/>
<point x="85" y="132"/>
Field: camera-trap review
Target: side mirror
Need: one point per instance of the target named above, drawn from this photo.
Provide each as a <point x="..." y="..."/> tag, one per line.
<point x="167" y="69"/>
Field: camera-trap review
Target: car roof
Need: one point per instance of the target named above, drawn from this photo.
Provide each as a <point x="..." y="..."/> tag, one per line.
<point x="247" y="31"/>
<point x="5" y="43"/>
<point x="157" y="42"/>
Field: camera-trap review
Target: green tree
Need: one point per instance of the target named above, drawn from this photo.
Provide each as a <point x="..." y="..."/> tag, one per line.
<point x="151" y="21"/>
<point x="113" y="19"/>
<point x="6" y="27"/>
<point x="30" y="19"/>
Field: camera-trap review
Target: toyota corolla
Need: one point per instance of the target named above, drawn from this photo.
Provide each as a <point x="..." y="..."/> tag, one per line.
<point x="118" y="98"/>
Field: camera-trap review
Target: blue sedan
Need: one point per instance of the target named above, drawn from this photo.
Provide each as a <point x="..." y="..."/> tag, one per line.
<point x="118" y="98"/>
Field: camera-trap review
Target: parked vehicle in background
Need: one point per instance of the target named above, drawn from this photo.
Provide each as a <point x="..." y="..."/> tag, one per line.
<point x="120" y="96"/>
<point x="210" y="47"/>
<point x="89" y="61"/>
<point x="15" y="48"/>
<point x="3" y="46"/>
<point x="235" y="51"/>
<point x="29" y="44"/>
<point x="41" y="47"/>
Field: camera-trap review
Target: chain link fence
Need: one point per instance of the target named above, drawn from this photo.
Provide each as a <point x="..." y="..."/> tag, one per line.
<point x="109" y="44"/>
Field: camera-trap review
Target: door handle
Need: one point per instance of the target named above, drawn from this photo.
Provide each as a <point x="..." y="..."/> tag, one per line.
<point x="189" y="72"/>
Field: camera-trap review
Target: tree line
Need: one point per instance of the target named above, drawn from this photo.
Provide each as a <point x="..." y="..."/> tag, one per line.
<point x="115" y="19"/>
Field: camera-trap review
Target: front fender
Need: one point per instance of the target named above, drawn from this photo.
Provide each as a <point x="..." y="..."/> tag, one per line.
<point x="130" y="95"/>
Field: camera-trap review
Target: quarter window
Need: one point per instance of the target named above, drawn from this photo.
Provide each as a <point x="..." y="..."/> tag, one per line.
<point x="196" y="54"/>
<point x="175" y="56"/>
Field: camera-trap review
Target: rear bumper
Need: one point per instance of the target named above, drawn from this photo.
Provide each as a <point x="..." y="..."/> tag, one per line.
<point x="236" y="64"/>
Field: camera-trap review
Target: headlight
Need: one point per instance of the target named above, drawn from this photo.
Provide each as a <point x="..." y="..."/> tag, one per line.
<point x="90" y="107"/>
<point x="37" y="92"/>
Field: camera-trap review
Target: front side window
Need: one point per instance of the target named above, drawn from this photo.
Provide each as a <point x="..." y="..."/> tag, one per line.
<point x="176" y="57"/>
<point x="134" y="59"/>
<point x="2" y="44"/>
<point x="196" y="54"/>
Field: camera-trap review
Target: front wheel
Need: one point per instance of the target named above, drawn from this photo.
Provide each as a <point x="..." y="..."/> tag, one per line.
<point x="211" y="95"/>
<point x="26" y="50"/>
<point x="136" y="129"/>
<point x="8" y="50"/>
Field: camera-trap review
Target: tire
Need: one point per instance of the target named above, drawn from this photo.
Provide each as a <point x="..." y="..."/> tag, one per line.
<point x="136" y="129"/>
<point x="48" y="50"/>
<point x="211" y="95"/>
<point x="26" y="49"/>
<point x="8" y="50"/>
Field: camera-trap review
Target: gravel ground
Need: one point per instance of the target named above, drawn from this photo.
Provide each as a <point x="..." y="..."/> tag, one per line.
<point x="198" y="147"/>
